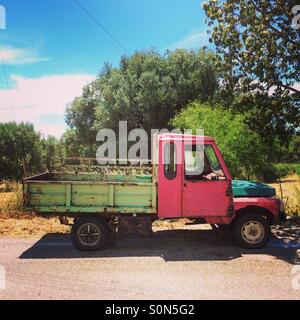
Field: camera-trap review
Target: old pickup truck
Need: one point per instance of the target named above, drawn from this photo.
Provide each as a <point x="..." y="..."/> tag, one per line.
<point x="98" y="202"/>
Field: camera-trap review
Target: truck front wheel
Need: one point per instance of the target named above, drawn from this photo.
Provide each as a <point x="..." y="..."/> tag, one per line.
<point x="90" y="234"/>
<point x="251" y="231"/>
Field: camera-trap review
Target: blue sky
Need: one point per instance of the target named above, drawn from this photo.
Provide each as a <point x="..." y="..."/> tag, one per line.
<point x="50" y="44"/>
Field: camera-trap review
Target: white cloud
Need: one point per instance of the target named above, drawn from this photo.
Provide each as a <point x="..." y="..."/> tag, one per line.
<point x="51" y="129"/>
<point x="193" y="40"/>
<point x="295" y="86"/>
<point x="18" y="56"/>
<point x="37" y="100"/>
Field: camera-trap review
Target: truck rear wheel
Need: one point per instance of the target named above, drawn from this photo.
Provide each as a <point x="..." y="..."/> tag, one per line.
<point x="251" y="231"/>
<point x="90" y="234"/>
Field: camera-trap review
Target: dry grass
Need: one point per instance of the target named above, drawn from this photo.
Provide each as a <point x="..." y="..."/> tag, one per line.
<point x="31" y="228"/>
<point x="11" y="200"/>
<point x="16" y="223"/>
<point x="290" y="188"/>
<point x="170" y="224"/>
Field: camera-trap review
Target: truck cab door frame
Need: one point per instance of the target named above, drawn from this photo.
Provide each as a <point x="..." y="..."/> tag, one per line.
<point x="170" y="177"/>
<point x="178" y="197"/>
<point x="202" y="197"/>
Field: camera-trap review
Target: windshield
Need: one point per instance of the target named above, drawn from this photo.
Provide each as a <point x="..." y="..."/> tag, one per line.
<point x="202" y="164"/>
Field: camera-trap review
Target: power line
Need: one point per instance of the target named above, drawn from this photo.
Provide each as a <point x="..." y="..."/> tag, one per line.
<point x="101" y="26"/>
<point x="4" y="69"/>
<point x="5" y="73"/>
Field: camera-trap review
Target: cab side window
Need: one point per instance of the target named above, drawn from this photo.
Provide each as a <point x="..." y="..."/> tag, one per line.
<point x="194" y="162"/>
<point x="202" y="163"/>
<point x="170" y="165"/>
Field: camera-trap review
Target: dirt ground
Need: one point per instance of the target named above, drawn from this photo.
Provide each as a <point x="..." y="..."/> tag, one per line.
<point x="31" y="228"/>
<point x="180" y="261"/>
<point x="37" y="227"/>
<point x="190" y="263"/>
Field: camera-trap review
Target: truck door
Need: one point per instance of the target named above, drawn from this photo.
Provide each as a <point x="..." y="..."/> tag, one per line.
<point x="170" y="177"/>
<point x="206" y="189"/>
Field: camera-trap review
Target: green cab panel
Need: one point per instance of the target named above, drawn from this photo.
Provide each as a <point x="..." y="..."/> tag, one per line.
<point x="252" y="189"/>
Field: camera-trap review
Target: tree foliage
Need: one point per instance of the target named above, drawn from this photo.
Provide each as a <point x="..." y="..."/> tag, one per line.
<point x="257" y="44"/>
<point x="258" y="58"/>
<point x="52" y="152"/>
<point x="20" y="149"/>
<point x="272" y="118"/>
<point x="81" y="116"/>
<point x="74" y="146"/>
<point x="146" y="90"/>
<point x="244" y="152"/>
<point x="24" y="152"/>
<point x="293" y="154"/>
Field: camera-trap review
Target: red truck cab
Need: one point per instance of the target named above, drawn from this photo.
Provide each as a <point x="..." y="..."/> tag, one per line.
<point x="205" y="190"/>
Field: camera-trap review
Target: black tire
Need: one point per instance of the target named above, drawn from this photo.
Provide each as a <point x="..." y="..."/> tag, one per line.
<point x="90" y="234"/>
<point x="251" y="231"/>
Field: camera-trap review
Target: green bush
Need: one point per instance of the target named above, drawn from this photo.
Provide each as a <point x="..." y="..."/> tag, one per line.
<point x="244" y="152"/>
<point x="294" y="151"/>
<point x="280" y="170"/>
<point x="270" y="173"/>
<point x="284" y="169"/>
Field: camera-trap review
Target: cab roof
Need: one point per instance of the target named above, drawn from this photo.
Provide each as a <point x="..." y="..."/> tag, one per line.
<point x="185" y="137"/>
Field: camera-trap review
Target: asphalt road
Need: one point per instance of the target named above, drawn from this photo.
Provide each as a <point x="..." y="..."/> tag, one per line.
<point x="185" y="264"/>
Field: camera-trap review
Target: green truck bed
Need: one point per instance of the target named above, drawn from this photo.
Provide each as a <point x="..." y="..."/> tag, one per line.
<point x="91" y="193"/>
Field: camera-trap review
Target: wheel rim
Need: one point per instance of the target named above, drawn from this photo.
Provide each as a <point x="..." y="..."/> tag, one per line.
<point x="88" y="234"/>
<point x="253" y="232"/>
